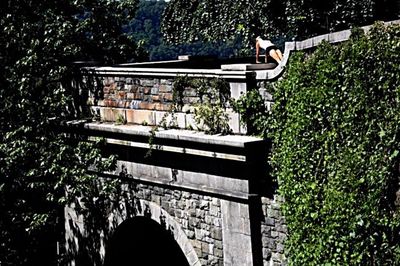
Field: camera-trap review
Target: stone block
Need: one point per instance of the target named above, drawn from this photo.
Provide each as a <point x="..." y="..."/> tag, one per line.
<point x="318" y="39"/>
<point x="217" y="222"/>
<point x="167" y="97"/>
<point x="190" y="234"/>
<point x="282" y="237"/>
<point x="155" y="98"/>
<point x="280" y="248"/>
<point x="163" y="88"/>
<point x="200" y="213"/>
<point x="237" y="89"/>
<point x="204" y="248"/>
<point x="191" y="100"/>
<point x="273" y="213"/>
<point x="339" y="36"/>
<point x="216" y="233"/>
<point x="127" y="87"/>
<point x="281" y="228"/>
<point x="208" y="219"/>
<point x="211" y="249"/>
<point x="193" y="221"/>
<point x="163" y="106"/>
<point x="147" y="98"/>
<point x="204" y="205"/>
<point x="269" y="243"/>
<point x="218" y="244"/>
<point x="147" y="105"/>
<point x="154" y="90"/>
<point x="128" y="81"/>
<point x="147" y="82"/>
<point x="138" y="96"/>
<point x="206" y="228"/>
<point x="140" y="117"/>
<point x="269" y="221"/>
<point x="134" y="89"/>
<point x="214" y="210"/>
<point x="266" y="253"/>
<point x="274" y="234"/>
<point x="186" y="195"/>
<point x="199" y="234"/>
<point x="218" y="252"/>
<point x="111" y="114"/>
<point x="215" y="202"/>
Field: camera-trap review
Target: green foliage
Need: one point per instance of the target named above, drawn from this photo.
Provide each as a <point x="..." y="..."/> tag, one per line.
<point x="39" y="41"/>
<point x="120" y="120"/>
<point x="188" y="21"/>
<point x="335" y="131"/>
<point x="210" y="113"/>
<point x="145" y="28"/>
<point x="253" y="112"/>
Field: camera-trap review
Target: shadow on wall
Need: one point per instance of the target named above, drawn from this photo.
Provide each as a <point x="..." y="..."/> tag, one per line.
<point x="94" y="235"/>
<point x="142" y="241"/>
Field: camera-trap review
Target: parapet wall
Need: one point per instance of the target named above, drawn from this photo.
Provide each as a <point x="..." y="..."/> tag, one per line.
<point x="144" y="96"/>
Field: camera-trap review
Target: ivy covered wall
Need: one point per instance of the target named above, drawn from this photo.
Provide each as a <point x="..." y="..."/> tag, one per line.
<point x="335" y="128"/>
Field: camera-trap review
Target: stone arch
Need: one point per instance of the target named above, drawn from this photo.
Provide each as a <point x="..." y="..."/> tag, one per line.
<point x="151" y="211"/>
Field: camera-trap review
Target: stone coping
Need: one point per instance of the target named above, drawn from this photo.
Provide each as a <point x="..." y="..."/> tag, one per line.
<point x="229" y="71"/>
<point x="169" y="72"/>
<point x="334" y="37"/>
<point x="174" y="134"/>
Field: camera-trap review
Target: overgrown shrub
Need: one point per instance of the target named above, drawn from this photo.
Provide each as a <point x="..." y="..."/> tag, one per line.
<point x="253" y="112"/>
<point x="210" y="111"/>
<point x="335" y="127"/>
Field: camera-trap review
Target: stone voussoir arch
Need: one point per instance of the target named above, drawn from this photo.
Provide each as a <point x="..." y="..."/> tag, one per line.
<point x="144" y="208"/>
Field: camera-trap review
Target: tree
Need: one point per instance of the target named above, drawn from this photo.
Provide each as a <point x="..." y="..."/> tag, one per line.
<point x="191" y="20"/>
<point x="39" y="41"/>
<point x="145" y="28"/>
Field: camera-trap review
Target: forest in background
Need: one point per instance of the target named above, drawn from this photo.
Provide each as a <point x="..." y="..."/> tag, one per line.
<point x="145" y="28"/>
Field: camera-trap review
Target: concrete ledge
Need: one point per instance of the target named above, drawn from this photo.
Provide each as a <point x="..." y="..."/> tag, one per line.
<point x="168" y="72"/>
<point x="155" y="117"/>
<point x="175" y="134"/>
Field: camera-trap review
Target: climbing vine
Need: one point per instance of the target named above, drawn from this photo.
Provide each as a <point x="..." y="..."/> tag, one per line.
<point x="335" y="128"/>
<point x="213" y="97"/>
<point x="210" y="116"/>
<point x="253" y="112"/>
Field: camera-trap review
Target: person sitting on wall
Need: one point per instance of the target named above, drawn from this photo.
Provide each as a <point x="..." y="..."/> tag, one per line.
<point x="270" y="50"/>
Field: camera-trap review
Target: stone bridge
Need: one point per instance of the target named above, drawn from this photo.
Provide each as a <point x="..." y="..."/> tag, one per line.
<point x="181" y="197"/>
<point x="197" y="200"/>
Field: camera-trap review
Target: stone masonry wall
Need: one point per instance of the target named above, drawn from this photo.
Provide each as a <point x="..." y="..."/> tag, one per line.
<point x="273" y="231"/>
<point x="198" y="215"/>
<point x="135" y="93"/>
<point x="141" y="101"/>
<point x="147" y="101"/>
